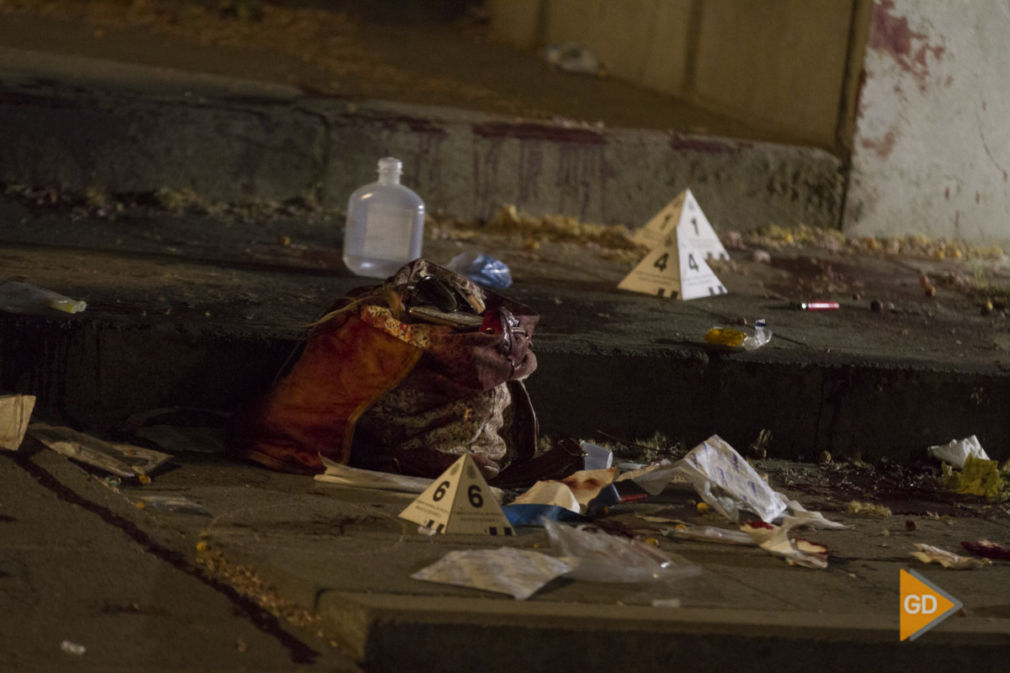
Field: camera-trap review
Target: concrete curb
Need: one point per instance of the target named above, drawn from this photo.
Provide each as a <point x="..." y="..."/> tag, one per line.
<point x="90" y="124"/>
<point x="397" y="633"/>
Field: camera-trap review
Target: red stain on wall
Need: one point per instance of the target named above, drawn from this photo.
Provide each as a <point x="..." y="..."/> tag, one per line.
<point x="890" y="34"/>
<point x="883" y="147"/>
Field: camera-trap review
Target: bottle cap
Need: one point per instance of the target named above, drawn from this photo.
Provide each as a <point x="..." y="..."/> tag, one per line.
<point x="390" y="166"/>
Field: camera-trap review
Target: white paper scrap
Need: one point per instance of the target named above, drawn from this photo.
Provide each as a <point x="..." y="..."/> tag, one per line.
<point x="549" y="493"/>
<point x="345" y="475"/>
<point x="775" y="539"/>
<point x="15" y="412"/>
<point x="930" y="554"/>
<point x="654" y="478"/>
<point x="727" y="482"/>
<point x="506" y="570"/>
<point x="957" y="451"/>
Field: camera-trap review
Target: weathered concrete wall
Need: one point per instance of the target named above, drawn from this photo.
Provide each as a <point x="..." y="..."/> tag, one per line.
<point x="779" y="64"/>
<point x="932" y="145"/>
<point x="228" y="140"/>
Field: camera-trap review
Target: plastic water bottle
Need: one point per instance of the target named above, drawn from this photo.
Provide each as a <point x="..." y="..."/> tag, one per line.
<point x="385" y="224"/>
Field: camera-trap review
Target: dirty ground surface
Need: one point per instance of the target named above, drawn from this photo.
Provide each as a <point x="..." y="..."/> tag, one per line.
<point x="227" y="294"/>
<point x="413" y="53"/>
<point x="332" y="564"/>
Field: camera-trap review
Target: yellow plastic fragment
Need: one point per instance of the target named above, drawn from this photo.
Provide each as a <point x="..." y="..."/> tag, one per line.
<point x="702" y="507"/>
<point x="202" y="545"/>
<point x="725" y="337"/>
<point x="144" y="479"/>
<point x="978" y="477"/>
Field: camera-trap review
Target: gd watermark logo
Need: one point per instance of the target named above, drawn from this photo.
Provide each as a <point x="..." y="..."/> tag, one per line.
<point x="923" y="605"/>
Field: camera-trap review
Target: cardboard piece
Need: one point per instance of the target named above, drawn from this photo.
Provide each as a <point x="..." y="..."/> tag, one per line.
<point x="675" y="270"/>
<point x="459" y="501"/>
<point x="15" y="412"/>
<point x="686" y="217"/>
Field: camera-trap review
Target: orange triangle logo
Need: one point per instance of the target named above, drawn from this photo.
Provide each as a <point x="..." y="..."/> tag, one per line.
<point x="923" y="605"/>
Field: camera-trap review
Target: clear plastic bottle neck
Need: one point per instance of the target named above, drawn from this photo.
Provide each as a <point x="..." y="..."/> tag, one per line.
<point x="389" y="171"/>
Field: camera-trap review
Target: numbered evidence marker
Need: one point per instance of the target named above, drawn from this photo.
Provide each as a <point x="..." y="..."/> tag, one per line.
<point x="685" y="215"/>
<point x="674" y="270"/>
<point x="459" y="501"/>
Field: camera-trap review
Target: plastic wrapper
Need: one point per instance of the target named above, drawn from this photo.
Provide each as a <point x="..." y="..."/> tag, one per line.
<point x="929" y="554"/>
<point x="174" y="503"/>
<point x="552" y="493"/>
<point x="710" y="534"/>
<point x="17" y="297"/>
<point x="734" y="338"/>
<point x="482" y="269"/>
<point x="727" y="482"/>
<point x="775" y="539"/>
<point x="654" y="478"/>
<point x="519" y="573"/>
<point x="988" y="549"/>
<point x="957" y="451"/>
<point x="601" y="557"/>
<point x="124" y="460"/>
<point x="596" y="457"/>
<point x="978" y="477"/>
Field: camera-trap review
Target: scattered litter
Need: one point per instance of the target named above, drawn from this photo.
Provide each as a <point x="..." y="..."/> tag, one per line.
<point x="174" y="503"/>
<point x="71" y="647"/>
<point x="552" y="493"/>
<point x="957" y="451"/>
<point x="517" y="572"/>
<point x="666" y="602"/>
<point x="710" y="534"/>
<point x="775" y="539"/>
<point x="930" y="554"/>
<point x="801" y="516"/>
<point x="654" y="478"/>
<point x="15" y="412"/>
<point x="727" y="482"/>
<point x="601" y="557"/>
<point x="761" y="257"/>
<point x="596" y="457"/>
<point x="734" y="338"/>
<point x="124" y="460"/>
<point x="533" y="515"/>
<point x="345" y="475"/>
<point x="482" y="269"/>
<point x="587" y="485"/>
<point x="573" y="57"/>
<point x="24" y="298"/>
<point x="979" y="477"/>
<point x="988" y="549"/>
<point x="868" y="509"/>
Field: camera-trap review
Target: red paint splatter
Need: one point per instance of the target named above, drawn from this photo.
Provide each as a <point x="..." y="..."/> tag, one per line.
<point x="891" y="34"/>
<point x="883" y="147"/>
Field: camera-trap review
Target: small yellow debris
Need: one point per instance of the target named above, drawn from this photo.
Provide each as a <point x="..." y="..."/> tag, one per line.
<point x="868" y="509"/>
<point x="202" y="545"/>
<point x="139" y="504"/>
<point x="702" y="507"/>
<point x="283" y="239"/>
<point x="653" y="541"/>
<point x="144" y="479"/>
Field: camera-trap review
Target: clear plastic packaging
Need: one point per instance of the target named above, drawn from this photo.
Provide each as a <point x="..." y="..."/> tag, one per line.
<point x="17" y="297"/>
<point x="482" y="269"/>
<point x="601" y="557"/>
<point x="385" y="224"/>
